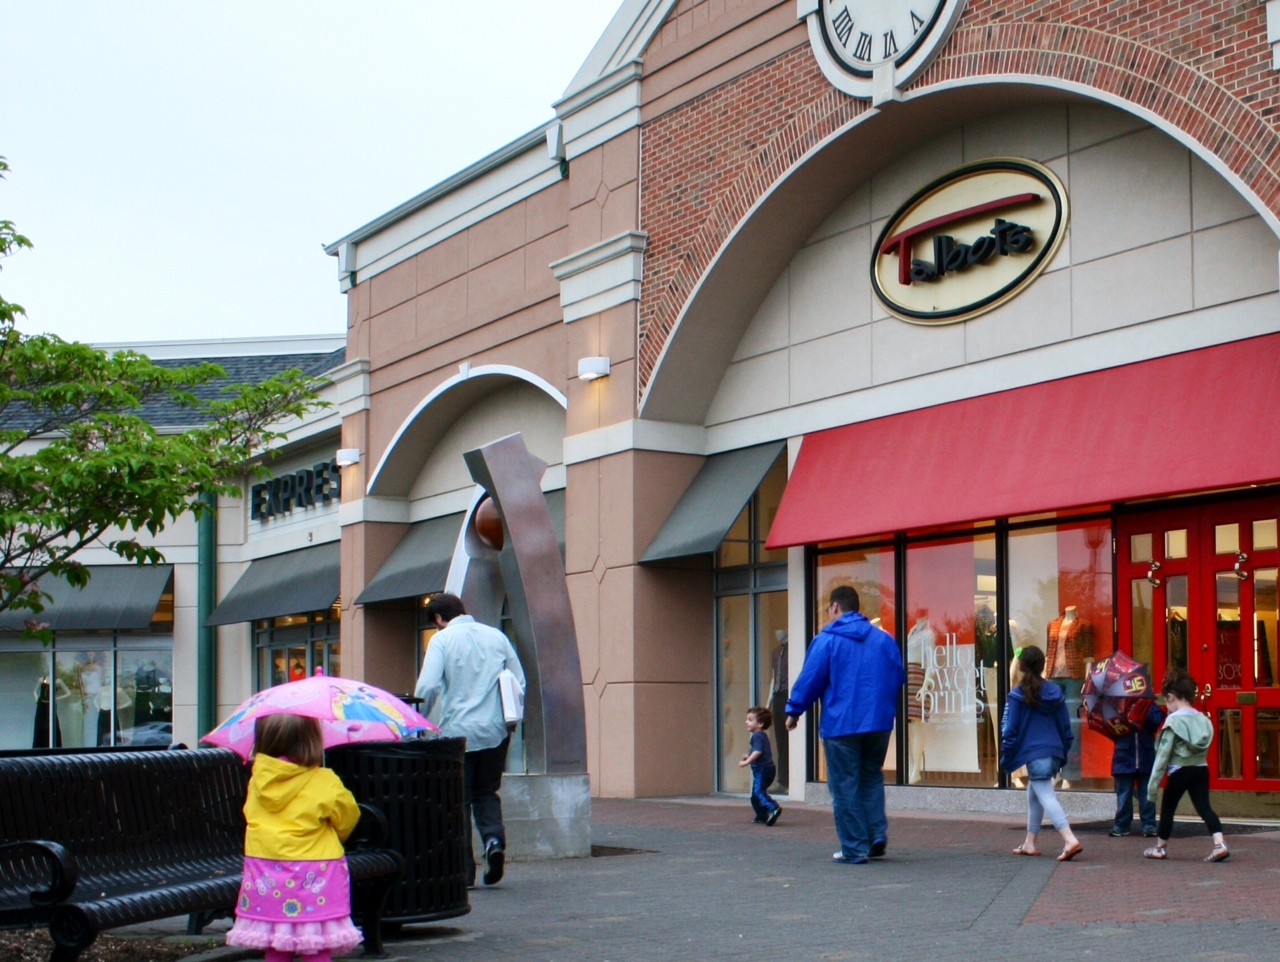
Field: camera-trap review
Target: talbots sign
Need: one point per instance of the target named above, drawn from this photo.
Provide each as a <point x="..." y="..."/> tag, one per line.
<point x="970" y="241"/>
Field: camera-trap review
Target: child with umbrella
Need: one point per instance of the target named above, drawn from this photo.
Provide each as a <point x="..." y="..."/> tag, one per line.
<point x="296" y="894"/>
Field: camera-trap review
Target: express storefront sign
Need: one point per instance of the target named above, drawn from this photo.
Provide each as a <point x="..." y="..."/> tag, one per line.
<point x="970" y="241"/>
<point x="318" y="484"/>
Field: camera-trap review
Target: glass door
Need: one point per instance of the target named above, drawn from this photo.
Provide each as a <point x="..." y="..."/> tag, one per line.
<point x="1154" y="561"/>
<point x="1239" y="687"/>
<point x="1198" y="589"/>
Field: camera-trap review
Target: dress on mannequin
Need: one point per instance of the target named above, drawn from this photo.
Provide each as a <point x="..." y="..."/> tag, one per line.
<point x="47" y="697"/>
<point x="1067" y="656"/>
<point x="921" y="641"/>
<point x="779" y="688"/>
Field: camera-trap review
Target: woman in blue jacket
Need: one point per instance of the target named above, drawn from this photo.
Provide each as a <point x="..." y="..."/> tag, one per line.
<point x="1037" y="733"/>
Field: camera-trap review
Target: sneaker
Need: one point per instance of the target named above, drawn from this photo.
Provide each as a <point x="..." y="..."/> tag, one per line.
<point x="773" y="816"/>
<point x="494" y="859"/>
<point x="878" y="847"/>
<point x="841" y="859"/>
<point x="1120" y="833"/>
<point x="1149" y="833"/>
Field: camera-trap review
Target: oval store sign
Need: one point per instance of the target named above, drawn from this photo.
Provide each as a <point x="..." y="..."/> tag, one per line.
<point x="969" y="241"/>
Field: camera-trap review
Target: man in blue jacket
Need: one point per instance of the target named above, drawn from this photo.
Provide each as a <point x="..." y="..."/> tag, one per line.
<point x="856" y="670"/>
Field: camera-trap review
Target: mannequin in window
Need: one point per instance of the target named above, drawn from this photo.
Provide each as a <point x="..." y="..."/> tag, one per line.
<point x="985" y="656"/>
<point x="146" y="682"/>
<point x="921" y="641"/>
<point x="297" y="670"/>
<point x="46" y="712"/>
<point x="108" y="719"/>
<point x="89" y="673"/>
<point x="1068" y="655"/>
<point x="779" y="688"/>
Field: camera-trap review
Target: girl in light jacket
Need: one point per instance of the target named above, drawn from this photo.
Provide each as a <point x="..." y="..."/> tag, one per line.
<point x="1182" y="749"/>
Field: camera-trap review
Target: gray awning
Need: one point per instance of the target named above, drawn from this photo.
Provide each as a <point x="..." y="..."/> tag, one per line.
<point x="284" y="584"/>
<point x="713" y="502"/>
<point x="419" y="565"/>
<point x="117" y="598"/>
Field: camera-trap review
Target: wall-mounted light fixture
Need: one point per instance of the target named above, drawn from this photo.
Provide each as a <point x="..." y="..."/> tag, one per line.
<point x="347" y="457"/>
<point x="590" y="368"/>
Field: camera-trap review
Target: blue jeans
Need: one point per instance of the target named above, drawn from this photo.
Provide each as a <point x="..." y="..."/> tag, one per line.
<point x="1125" y="785"/>
<point x="855" y="778"/>
<point x="760" y="782"/>
<point x="1041" y="799"/>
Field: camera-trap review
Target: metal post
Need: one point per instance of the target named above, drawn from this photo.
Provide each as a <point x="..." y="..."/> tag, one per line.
<point x="207" y="636"/>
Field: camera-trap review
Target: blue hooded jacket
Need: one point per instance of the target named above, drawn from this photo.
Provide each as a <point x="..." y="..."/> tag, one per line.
<point x="1135" y="753"/>
<point x="1035" y="731"/>
<point x="856" y="669"/>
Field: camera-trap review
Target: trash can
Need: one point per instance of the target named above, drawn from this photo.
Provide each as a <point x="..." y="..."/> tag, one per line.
<point x="418" y="786"/>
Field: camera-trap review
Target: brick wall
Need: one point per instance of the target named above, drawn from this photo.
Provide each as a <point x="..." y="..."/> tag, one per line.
<point x="1204" y="67"/>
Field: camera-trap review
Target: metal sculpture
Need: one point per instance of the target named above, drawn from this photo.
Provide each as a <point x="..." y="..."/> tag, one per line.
<point x="525" y="566"/>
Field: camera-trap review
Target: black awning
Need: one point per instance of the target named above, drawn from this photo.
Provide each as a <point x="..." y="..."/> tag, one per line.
<point x="283" y="584"/>
<point x="419" y="564"/>
<point x="117" y="598"/>
<point x="713" y="502"/>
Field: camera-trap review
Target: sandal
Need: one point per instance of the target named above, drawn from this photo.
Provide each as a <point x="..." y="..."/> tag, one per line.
<point x="1220" y="853"/>
<point x="1020" y="850"/>
<point x="1071" y="852"/>
<point x="1156" y="851"/>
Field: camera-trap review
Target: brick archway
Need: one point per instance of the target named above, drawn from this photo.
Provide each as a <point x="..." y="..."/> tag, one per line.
<point x="690" y="221"/>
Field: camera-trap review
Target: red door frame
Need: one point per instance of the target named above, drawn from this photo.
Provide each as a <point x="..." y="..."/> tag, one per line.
<point x="1205" y="645"/>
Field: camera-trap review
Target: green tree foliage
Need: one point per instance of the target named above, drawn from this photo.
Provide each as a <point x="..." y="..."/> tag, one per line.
<point x="80" y="466"/>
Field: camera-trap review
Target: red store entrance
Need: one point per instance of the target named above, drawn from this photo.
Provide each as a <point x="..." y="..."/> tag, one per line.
<point x="1197" y="589"/>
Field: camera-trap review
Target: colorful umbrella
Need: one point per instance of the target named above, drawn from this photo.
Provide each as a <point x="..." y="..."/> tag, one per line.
<point x="1117" y="695"/>
<point x="349" y="711"/>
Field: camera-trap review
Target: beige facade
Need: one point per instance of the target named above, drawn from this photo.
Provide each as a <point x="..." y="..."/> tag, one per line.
<point x="703" y="212"/>
<point x="687" y="219"/>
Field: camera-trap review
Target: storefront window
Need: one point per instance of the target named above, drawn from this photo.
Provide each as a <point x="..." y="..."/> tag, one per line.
<point x="869" y="571"/>
<point x="1060" y="599"/>
<point x="292" y="647"/>
<point x="952" y="662"/>
<point x="86" y="691"/>
<point x="751" y="635"/>
<point x="734" y="661"/>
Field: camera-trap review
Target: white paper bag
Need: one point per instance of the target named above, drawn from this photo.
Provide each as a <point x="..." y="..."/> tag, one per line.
<point x="512" y="697"/>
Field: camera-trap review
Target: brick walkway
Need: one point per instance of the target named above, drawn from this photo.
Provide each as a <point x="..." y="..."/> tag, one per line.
<point x="702" y="882"/>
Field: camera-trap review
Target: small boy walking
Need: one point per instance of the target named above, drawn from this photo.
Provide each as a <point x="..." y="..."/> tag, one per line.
<point x="763" y="771"/>
<point x="1131" y="764"/>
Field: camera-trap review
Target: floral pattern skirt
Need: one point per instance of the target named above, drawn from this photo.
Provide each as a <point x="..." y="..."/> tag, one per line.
<point x="299" y="907"/>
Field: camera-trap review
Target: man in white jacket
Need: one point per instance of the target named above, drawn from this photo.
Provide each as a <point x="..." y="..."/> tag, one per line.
<point x="461" y="669"/>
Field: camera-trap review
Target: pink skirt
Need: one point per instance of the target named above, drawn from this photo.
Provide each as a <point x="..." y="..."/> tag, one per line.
<point x="298" y="907"/>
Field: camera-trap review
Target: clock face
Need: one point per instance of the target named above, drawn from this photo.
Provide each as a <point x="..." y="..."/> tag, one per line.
<point x="863" y="33"/>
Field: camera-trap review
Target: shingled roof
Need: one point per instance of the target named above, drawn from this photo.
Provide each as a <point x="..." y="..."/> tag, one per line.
<point x="241" y="369"/>
<point x="247" y="369"/>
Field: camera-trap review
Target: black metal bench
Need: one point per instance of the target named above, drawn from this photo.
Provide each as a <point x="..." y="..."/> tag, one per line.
<point x="93" y="841"/>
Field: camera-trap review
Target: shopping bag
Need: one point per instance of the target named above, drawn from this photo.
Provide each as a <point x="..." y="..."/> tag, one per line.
<point x="512" y="693"/>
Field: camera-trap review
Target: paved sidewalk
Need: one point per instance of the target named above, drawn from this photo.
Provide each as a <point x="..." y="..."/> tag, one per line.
<point x="700" y="881"/>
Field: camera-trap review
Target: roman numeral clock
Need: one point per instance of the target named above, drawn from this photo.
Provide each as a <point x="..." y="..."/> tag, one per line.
<point x="870" y="48"/>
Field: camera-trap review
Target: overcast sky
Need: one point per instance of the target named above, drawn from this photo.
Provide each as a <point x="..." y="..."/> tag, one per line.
<point x="178" y="165"/>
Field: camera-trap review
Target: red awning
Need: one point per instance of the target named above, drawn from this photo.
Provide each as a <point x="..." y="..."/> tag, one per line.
<point x="1187" y="422"/>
